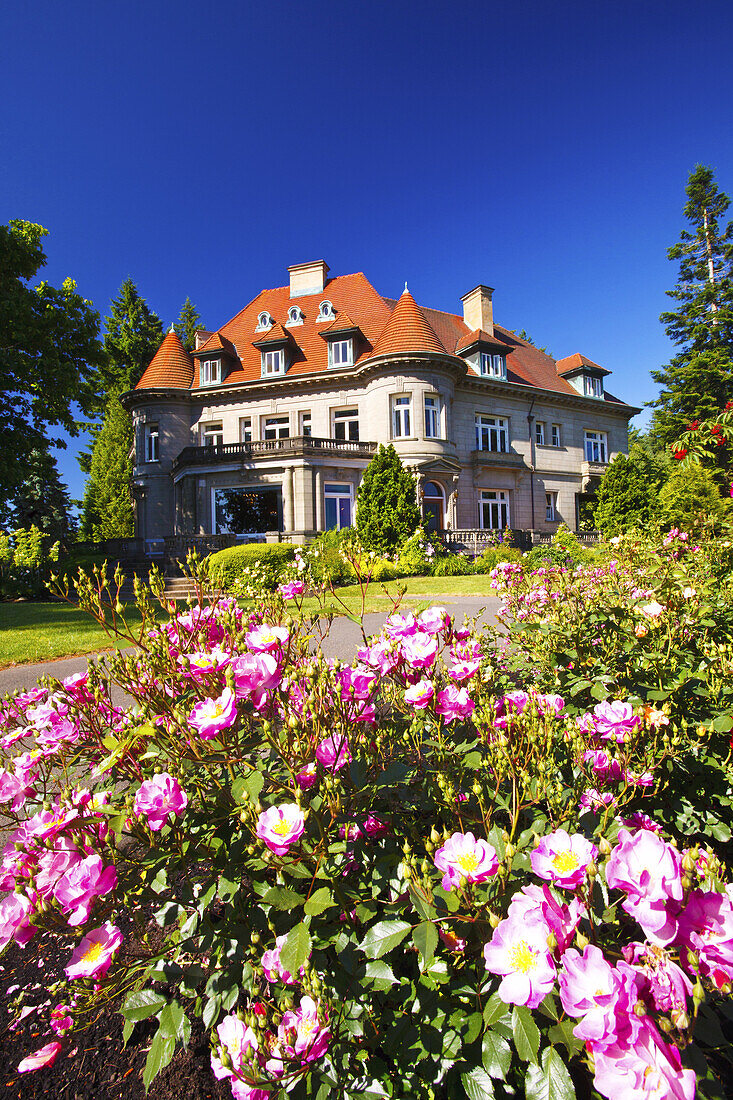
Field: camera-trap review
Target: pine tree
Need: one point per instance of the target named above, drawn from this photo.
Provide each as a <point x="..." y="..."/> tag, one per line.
<point x="386" y="512"/>
<point x="133" y="334"/>
<point x="187" y="324"/>
<point x="41" y="500"/>
<point x="107" y="511"/>
<point x="698" y="381"/>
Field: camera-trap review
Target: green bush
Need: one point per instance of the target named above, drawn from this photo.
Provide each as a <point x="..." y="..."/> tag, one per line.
<point x="384" y="570"/>
<point x="270" y="560"/>
<point x="386" y="512"/>
<point x="414" y="558"/>
<point x="451" y="565"/>
<point x="492" y="555"/>
<point x="326" y="557"/>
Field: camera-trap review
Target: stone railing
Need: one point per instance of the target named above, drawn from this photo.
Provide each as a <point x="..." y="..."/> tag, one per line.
<point x="295" y="446"/>
<point x="474" y="540"/>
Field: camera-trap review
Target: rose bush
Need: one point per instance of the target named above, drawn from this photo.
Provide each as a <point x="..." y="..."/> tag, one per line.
<point x="425" y="874"/>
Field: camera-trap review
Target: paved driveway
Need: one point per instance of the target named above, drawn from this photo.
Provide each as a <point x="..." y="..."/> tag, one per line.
<point x="342" y="641"/>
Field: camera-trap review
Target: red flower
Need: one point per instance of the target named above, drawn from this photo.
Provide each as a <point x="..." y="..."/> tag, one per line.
<point x="729" y="405"/>
<point x="679" y="455"/>
<point x="721" y="441"/>
<point x="694" y="425"/>
<point x="716" y="429"/>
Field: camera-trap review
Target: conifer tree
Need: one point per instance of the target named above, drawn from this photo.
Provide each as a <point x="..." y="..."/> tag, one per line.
<point x="41" y="500"/>
<point x="625" y="498"/>
<point x="698" y="381"/>
<point x="387" y="512"/>
<point x="187" y="324"/>
<point x="107" y="509"/>
<point x="133" y="334"/>
<point x="691" y="500"/>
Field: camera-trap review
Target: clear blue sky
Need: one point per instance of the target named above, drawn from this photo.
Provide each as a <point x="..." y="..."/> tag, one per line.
<point x="541" y="148"/>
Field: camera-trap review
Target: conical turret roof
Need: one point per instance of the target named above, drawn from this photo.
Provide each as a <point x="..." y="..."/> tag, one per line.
<point x="407" y="331"/>
<point x="171" y="366"/>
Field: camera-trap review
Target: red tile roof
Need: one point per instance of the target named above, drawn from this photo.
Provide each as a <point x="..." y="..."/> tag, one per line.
<point x="276" y="334"/>
<point x="479" y="336"/>
<point x="577" y="362"/>
<point x="217" y="342"/>
<point x="171" y="366"/>
<point x="342" y="323"/>
<point x="407" y="331"/>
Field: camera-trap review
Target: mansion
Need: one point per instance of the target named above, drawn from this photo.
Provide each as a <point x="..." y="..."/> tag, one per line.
<point x="266" y="428"/>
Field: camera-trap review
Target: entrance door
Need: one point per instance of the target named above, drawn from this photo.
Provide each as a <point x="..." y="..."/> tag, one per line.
<point x="433" y="506"/>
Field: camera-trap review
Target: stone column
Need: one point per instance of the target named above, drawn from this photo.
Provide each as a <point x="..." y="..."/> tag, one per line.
<point x="319" y="498"/>
<point x="288" y="522"/>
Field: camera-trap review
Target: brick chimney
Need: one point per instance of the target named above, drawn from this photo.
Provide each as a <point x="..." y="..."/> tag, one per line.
<point x="308" y="278"/>
<point x="478" y="312"/>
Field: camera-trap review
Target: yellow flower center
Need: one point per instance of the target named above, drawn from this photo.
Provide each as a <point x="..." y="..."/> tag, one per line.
<point x="218" y="711"/>
<point x="468" y="862"/>
<point x="92" y="952"/>
<point x="281" y="827"/>
<point x="522" y="957"/>
<point x="565" y="862"/>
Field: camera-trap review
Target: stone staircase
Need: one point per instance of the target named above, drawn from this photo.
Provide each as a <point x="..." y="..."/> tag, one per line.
<point x="176" y="588"/>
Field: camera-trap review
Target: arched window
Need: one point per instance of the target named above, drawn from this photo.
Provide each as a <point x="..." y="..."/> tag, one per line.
<point x="433" y="506"/>
<point x="264" y="321"/>
<point x="326" y="312"/>
<point x="295" y="315"/>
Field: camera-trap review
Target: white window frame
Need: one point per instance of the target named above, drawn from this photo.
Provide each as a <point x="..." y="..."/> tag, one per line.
<point x="556" y="437"/>
<point x="330" y="495"/>
<point x="245" y="429"/>
<point x="295" y="316"/>
<point x="273" y="362"/>
<point x="493" y="366"/>
<point x="595" y="446"/>
<point x="551" y="513"/>
<point x="341" y="353"/>
<point x="433" y="416"/>
<point x="497" y="503"/>
<point x="592" y="386"/>
<point x="347" y="417"/>
<point x="280" y="425"/>
<point x="264" y="321"/>
<point x="326" y="311"/>
<point x="210" y="372"/>
<point x="152" y="443"/>
<point x="402" y="416"/>
<point x="492" y="430"/>
<point x="305" y="423"/>
<point x="539" y="433"/>
<point x="212" y="433"/>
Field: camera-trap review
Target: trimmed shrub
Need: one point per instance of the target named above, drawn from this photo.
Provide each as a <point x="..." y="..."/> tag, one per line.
<point x="270" y="559"/>
<point x="326" y="557"/>
<point x="384" y="570"/>
<point x="387" y="512"/>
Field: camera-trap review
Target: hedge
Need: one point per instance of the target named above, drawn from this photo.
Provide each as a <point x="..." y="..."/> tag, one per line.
<point x="271" y="558"/>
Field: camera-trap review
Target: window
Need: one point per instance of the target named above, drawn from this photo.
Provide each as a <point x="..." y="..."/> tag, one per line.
<point x="264" y="321"/>
<point x="326" y="312"/>
<point x="346" y="425"/>
<point x="493" y="366"/>
<point x="539" y="432"/>
<point x="595" y="447"/>
<point x="401" y="416"/>
<point x="555" y="435"/>
<point x="593" y="386"/>
<point x="550" y="507"/>
<point x="341" y="353"/>
<point x="210" y="372"/>
<point x="276" y="427"/>
<point x="493" y="510"/>
<point x="432" y="418"/>
<point x="338" y="506"/>
<point x="273" y="362"/>
<point x="305" y="423"/>
<point x="212" y="435"/>
<point x="295" y="315"/>
<point x="492" y="433"/>
<point x="245" y="429"/>
<point x="152" y="437"/>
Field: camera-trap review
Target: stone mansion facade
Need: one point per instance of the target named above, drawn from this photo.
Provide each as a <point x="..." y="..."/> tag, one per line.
<point x="268" y="426"/>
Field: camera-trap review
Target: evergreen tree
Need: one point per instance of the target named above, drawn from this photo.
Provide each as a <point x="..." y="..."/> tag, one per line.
<point x="691" y="500"/>
<point x="387" y="512"/>
<point x="625" y="498"/>
<point x="187" y="324"/>
<point x="41" y="500"/>
<point x="133" y="334"/>
<point x="107" y="511"/>
<point x="523" y="335"/>
<point x="699" y="379"/>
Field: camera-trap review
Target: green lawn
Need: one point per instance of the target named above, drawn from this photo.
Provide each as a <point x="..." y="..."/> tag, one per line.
<point x="34" y="632"/>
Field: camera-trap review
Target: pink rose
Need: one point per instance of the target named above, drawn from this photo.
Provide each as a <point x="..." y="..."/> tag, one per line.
<point x="46" y="1056"/>
<point x="433" y="620"/>
<point x="420" y="650"/>
<point x="302" y="1034"/>
<point x="291" y="589"/>
<point x="615" y="721"/>
<point x="265" y="639"/>
<point x="333" y="753"/>
<point x="211" y="716"/>
<point x="420" y="695"/>
<point x="255" y="673"/>
<point x="15" y="913"/>
<point x="280" y="827"/>
<point x="238" y="1041"/>
<point x="650" y="872"/>
<point x="158" y="797"/>
<point x="272" y="966"/>
<point x="400" y="626"/>
<point x="563" y="859"/>
<point x="76" y="890"/>
<point x="454" y="702"/>
<point x="93" y="956"/>
<point x="518" y="950"/>
<point x="462" y="856"/>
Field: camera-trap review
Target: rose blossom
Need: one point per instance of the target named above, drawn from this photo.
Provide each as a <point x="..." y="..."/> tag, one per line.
<point x="563" y="859"/>
<point x="302" y="1033"/>
<point x="211" y="716"/>
<point x="238" y="1040"/>
<point x="93" y="956"/>
<point x="307" y="777"/>
<point x="668" y="985"/>
<point x="420" y="650"/>
<point x="263" y="639"/>
<point x="77" y="888"/>
<point x="653" y="609"/>
<point x="454" y="702"/>
<point x="15" y="912"/>
<point x="518" y="950"/>
<point x="706" y="927"/>
<point x="614" y="721"/>
<point x="650" y="871"/>
<point x="433" y="620"/>
<point x="400" y="626"/>
<point x="158" y="797"/>
<point x="589" y="987"/>
<point x="202" y="664"/>
<point x="291" y="589"/>
<point x="462" y="856"/>
<point x="649" y="1068"/>
<point x="333" y="752"/>
<point x="272" y="966"/>
<point x="46" y="1056"/>
<point x="255" y="673"/>
<point x="537" y="903"/>
<point x="280" y="827"/>
<point x="420" y="695"/>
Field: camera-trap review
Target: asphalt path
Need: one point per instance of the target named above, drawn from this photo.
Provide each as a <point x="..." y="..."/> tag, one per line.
<point x="343" y="640"/>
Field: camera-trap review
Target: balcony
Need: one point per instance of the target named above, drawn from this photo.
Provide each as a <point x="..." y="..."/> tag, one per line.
<point x="299" y="446"/>
<point x="591" y="472"/>
<point x="510" y="459"/>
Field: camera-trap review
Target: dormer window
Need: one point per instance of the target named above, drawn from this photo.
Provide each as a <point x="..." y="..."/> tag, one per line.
<point x="326" y="312"/>
<point x="493" y="366"/>
<point x="210" y="372"/>
<point x="295" y="315"/>
<point x="592" y="386"/>
<point x="264" y="321"/>
<point x="341" y="353"/>
<point x="273" y="362"/>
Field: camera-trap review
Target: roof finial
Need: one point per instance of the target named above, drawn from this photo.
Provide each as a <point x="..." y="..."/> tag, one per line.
<point x="405" y="286"/>
<point x="171" y="329"/>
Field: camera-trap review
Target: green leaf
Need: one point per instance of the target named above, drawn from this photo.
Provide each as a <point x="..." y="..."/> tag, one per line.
<point x="319" y="901"/>
<point x="495" y="1009"/>
<point x="526" y="1033"/>
<point x="496" y="1055"/>
<point x="381" y="938"/>
<point x="552" y="1081"/>
<point x="296" y="949"/>
<point x="159" y="1055"/>
<point x="282" y="897"/>
<point x="380" y="975"/>
<point x="425" y="938"/>
<point x="127" y="1032"/>
<point x="174" y="1023"/>
<point x="142" y="1004"/>
<point x="562" y="1032"/>
<point x="477" y="1084"/>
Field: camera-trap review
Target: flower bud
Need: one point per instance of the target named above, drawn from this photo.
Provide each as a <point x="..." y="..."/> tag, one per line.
<point x="698" y="993"/>
<point x="604" y="847"/>
<point x="640" y="1009"/>
<point x="581" y="941"/>
<point x="494" y="920"/>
